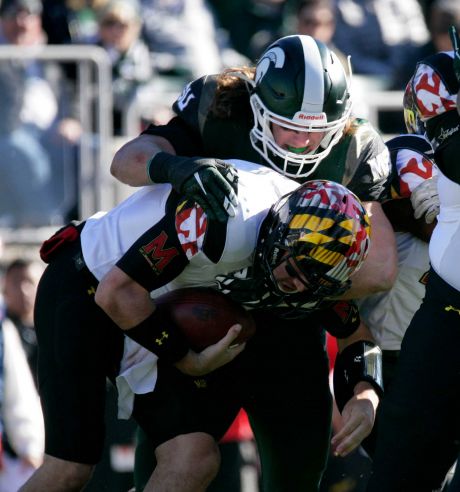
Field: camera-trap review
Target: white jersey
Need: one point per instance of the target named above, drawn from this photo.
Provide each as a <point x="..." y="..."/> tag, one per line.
<point x="436" y="89"/>
<point x="388" y="314"/>
<point x="108" y="237"/>
<point x="445" y="239"/>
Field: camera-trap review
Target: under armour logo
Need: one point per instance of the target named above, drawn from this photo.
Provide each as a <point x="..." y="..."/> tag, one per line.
<point x="164" y="336"/>
<point x="200" y="383"/>
<point x="91" y="291"/>
<point x="452" y="308"/>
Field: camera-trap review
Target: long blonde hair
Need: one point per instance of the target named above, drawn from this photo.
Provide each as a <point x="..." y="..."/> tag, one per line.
<point x="232" y="92"/>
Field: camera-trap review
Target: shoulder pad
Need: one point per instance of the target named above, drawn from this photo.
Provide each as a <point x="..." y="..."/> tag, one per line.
<point x="442" y="64"/>
<point x="417" y="143"/>
<point x="193" y="104"/>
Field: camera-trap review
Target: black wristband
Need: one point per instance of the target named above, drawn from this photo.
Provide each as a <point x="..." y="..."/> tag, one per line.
<point x="360" y="361"/>
<point x="176" y="169"/>
<point x="159" y="334"/>
<point x="158" y="166"/>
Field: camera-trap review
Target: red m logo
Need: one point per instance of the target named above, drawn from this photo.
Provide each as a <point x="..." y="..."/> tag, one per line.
<point x="156" y="254"/>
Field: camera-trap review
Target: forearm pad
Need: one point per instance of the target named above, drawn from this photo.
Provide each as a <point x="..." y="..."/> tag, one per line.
<point x="160" y="335"/>
<point x="360" y="361"/>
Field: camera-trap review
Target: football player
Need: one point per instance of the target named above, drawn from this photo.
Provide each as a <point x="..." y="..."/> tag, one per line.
<point x="291" y="249"/>
<point x="419" y="427"/>
<point x="293" y="113"/>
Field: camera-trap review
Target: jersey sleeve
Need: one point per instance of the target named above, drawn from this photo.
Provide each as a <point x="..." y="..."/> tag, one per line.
<point x="164" y="251"/>
<point x="184" y="131"/>
<point x="410" y="162"/>
<point x="182" y="137"/>
<point x="371" y="179"/>
<point x="156" y="258"/>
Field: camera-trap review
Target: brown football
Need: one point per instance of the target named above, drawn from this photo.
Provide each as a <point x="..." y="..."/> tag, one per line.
<point x="204" y="315"/>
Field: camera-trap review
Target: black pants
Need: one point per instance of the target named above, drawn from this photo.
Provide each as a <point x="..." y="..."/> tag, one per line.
<point x="78" y="348"/>
<point x="419" y="421"/>
<point x="281" y="379"/>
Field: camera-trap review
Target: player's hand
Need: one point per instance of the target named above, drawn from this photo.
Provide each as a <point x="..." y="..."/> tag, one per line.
<point x="211" y="183"/>
<point x="358" y="417"/>
<point x="425" y="199"/>
<point x="212" y="357"/>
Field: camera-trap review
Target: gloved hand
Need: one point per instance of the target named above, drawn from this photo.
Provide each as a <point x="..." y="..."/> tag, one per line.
<point x="425" y="199"/>
<point x="211" y="183"/>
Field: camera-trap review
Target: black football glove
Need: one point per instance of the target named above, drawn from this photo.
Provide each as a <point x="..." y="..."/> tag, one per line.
<point x="211" y="183"/>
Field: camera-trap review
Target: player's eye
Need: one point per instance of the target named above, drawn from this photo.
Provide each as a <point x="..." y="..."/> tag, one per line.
<point x="290" y="270"/>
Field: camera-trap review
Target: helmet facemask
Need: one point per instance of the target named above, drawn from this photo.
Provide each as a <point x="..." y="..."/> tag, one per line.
<point x="292" y="164"/>
<point x="412" y="118"/>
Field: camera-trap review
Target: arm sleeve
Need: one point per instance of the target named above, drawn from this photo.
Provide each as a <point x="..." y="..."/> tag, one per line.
<point x="157" y="257"/>
<point x="371" y="180"/>
<point x="183" y="138"/>
<point x="165" y="250"/>
<point x="184" y="131"/>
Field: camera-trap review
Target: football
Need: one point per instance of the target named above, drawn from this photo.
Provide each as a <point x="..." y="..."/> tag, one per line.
<point x="204" y="315"/>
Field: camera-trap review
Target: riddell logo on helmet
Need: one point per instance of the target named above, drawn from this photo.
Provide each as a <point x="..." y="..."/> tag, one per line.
<point x="311" y="117"/>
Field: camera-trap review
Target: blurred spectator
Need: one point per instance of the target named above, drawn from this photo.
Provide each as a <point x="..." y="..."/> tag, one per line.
<point x="181" y="37"/>
<point x="19" y="289"/>
<point x="317" y="18"/>
<point x="377" y="33"/>
<point x="71" y="21"/>
<point x="443" y="14"/>
<point x="119" y="29"/>
<point x="25" y="167"/>
<point x="21" y="415"/>
<point x="426" y="6"/>
<point x="251" y="24"/>
<point x="36" y="127"/>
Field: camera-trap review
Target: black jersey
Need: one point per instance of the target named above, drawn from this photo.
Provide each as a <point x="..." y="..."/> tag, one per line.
<point x="359" y="161"/>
